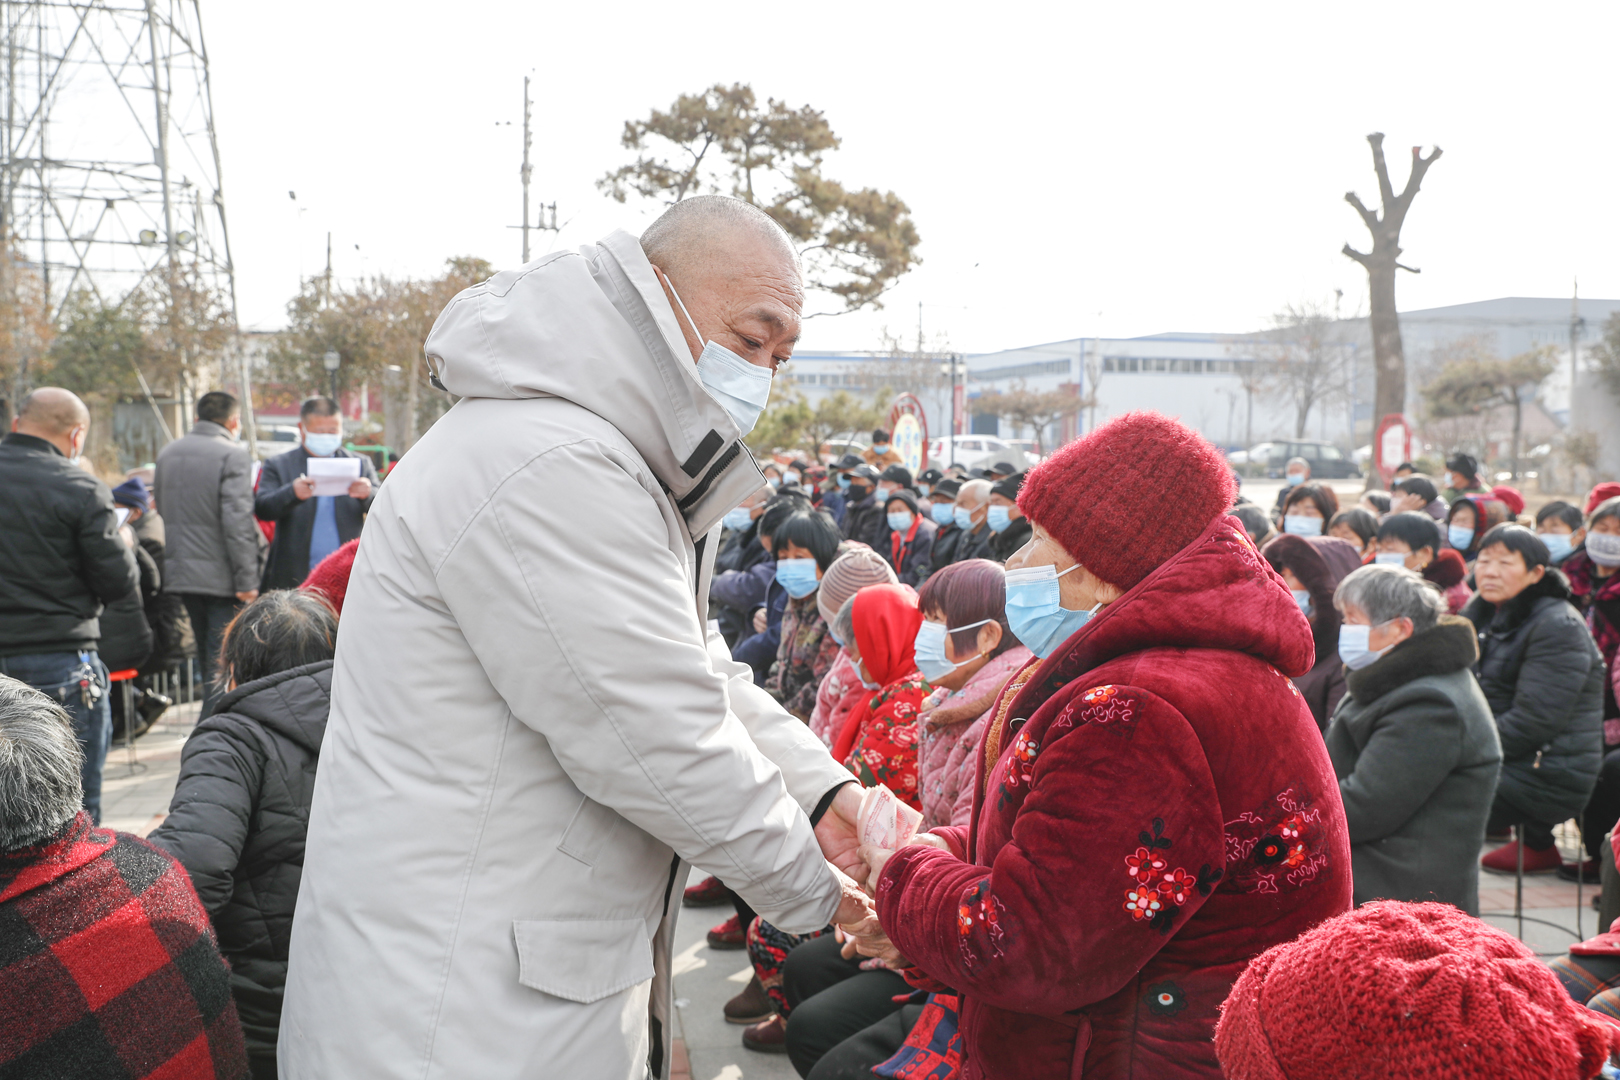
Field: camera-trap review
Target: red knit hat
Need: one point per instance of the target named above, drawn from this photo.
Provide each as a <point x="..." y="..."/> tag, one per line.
<point x="1510" y="496"/>
<point x="1129" y="495"/>
<point x="331" y="576"/>
<point x="1397" y="991"/>
<point x="1601" y="494"/>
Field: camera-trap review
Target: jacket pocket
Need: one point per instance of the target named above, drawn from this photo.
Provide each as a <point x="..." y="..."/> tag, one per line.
<point x="592" y="825"/>
<point x="582" y="960"/>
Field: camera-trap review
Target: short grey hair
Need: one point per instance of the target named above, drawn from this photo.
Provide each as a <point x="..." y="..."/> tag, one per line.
<point x="1296" y="461"/>
<point x="843" y="625"/>
<point x="683" y="234"/>
<point x="978" y="490"/>
<point x="1383" y="592"/>
<point x="40" y="761"/>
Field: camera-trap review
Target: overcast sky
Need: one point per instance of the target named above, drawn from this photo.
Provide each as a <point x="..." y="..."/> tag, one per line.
<point x="1073" y="169"/>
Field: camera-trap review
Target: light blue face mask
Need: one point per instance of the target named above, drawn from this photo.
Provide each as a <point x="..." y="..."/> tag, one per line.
<point x="880" y="448"/>
<point x="900" y="522"/>
<point x="738" y="520"/>
<point x="963" y="517"/>
<point x="1459" y="537"/>
<point x="843" y="482"/>
<point x="926" y="489"/>
<point x="1353" y="649"/>
<point x="1389" y="558"/>
<point x="797" y="576"/>
<point x="319" y="445"/>
<point x="1558" y="545"/>
<point x="1295" y="479"/>
<point x="1300" y="525"/>
<point x="1035" y="613"/>
<point x="944" y="513"/>
<point x="1302" y="597"/>
<point x="929" y="647"/>
<point x="741" y="388"/>
<point x="998" y="518"/>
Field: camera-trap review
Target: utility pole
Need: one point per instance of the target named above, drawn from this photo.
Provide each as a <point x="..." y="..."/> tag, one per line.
<point x="1576" y="323"/>
<point x="528" y="169"/>
<point x="328" y="289"/>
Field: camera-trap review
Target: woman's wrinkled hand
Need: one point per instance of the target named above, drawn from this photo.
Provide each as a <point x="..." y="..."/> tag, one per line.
<point x="877" y="858"/>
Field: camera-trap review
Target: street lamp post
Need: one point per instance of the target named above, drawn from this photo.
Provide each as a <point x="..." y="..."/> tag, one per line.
<point x="333" y="360"/>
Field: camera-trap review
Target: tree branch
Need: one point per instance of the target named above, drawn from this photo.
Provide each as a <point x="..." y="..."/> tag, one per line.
<point x="1386" y="192"/>
<point x="1420" y="165"/>
<point x="1368" y="218"/>
<point x="1356" y="255"/>
<point x="1408" y="269"/>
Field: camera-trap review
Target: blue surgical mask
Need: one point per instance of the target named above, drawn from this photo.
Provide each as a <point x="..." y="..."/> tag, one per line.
<point x="900" y="522"/>
<point x="738" y="520"/>
<point x="1459" y="537"/>
<point x="944" y="513"/>
<point x="1035" y="612"/>
<point x="1389" y="558"/>
<point x="774" y="482"/>
<point x="1295" y="479"/>
<point x="929" y="647"/>
<point x="797" y="576"/>
<point x="880" y="448"/>
<point x="926" y="489"/>
<point x="1558" y="545"/>
<point x="320" y="445"/>
<point x="1302" y="597"/>
<point x="1300" y="525"/>
<point x="1353" y="649"/>
<point x="963" y="518"/>
<point x="843" y="482"/>
<point x="741" y="388"/>
<point x="998" y="518"/>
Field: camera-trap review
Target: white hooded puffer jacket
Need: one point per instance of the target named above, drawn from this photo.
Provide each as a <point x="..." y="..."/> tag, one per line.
<point x="531" y="727"/>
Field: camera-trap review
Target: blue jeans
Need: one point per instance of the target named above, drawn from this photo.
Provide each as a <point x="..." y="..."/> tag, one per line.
<point x="57" y="675"/>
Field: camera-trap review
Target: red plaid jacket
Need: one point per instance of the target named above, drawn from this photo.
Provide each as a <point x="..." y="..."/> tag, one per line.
<point x="108" y="965"/>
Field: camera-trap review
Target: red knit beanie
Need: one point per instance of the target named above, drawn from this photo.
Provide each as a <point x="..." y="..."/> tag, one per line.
<point x="1403" y="991"/>
<point x="1510" y="496"/>
<point x="1129" y="495"/>
<point x="1601" y="494"/>
<point x="331" y="576"/>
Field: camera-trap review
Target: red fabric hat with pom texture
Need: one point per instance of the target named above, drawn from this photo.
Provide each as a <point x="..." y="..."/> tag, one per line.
<point x="331" y="576"/>
<point x="1129" y="495"/>
<point x="1601" y="494"/>
<point x="1403" y="991"/>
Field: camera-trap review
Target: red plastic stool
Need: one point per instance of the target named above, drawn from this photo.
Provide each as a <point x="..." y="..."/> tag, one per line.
<point x="126" y="681"/>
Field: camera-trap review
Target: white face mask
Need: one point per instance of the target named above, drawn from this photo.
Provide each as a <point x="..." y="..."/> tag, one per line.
<point x="740" y="387"/>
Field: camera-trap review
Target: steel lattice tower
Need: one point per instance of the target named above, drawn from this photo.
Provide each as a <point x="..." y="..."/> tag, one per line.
<point x="110" y="168"/>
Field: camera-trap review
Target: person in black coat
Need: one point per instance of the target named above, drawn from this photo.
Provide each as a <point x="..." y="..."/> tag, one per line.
<point x="909" y="547"/>
<point x="1011" y="528"/>
<point x="863" y="515"/>
<point x="972" y="511"/>
<point x="1543" y="676"/>
<point x="240" y="810"/>
<point x="942" y="509"/>
<point x="310" y="527"/>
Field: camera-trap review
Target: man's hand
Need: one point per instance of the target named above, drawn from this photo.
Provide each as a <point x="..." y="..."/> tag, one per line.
<point x="837" y="836"/>
<point x="360" y="489"/>
<point x="759" y="621"/>
<point x="249" y="596"/>
<point x="303" y="487"/>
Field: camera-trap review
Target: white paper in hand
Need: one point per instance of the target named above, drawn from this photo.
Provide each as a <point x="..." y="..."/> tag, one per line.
<point x="884" y="821"/>
<point x="333" y="476"/>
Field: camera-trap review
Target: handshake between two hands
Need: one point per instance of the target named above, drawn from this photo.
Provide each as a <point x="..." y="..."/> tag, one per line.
<point x="858" y="834"/>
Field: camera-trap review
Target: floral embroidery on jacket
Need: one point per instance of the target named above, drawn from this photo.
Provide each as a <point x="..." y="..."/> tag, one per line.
<point x="885" y="750"/>
<point x="980" y="911"/>
<point x="1164" y="999"/>
<point x="1099" y="705"/>
<point x="1159" y="889"/>
<point x="1276" y="847"/>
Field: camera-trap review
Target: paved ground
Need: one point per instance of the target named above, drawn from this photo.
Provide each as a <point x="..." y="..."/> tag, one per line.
<point x="135" y="799"/>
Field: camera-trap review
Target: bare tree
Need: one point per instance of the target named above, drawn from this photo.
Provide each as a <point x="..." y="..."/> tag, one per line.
<point x="1302" y="360"/>
<point x="1475" y="385"/>
<point x="1036" y="409"/>
<point x="1389" y="358"/>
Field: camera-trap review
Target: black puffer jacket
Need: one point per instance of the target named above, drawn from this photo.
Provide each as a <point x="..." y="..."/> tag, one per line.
<point x="1543" y="676"/>
<point x="1010" y="539"/>
<point x="126" y="635"/>
<point x="237" y="824"/>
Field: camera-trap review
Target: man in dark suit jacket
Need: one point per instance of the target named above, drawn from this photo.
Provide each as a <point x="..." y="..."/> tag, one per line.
<point x="310" y="527"/>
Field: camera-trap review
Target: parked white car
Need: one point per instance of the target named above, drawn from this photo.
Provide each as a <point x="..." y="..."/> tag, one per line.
<point x="976" y="452"/>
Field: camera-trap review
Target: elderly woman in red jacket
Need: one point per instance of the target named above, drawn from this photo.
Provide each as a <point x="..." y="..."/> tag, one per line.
<point x="1154" y="804"/>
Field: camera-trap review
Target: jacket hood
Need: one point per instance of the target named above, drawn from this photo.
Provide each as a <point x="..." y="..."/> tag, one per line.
<point x="593" y="327"/>
<point x="1450" y="645"/>
<point x="292" y="703"/>
<point x="1215" y="593"/>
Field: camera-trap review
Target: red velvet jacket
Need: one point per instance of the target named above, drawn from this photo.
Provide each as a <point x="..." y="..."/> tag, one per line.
<point x="1166" y="812"/>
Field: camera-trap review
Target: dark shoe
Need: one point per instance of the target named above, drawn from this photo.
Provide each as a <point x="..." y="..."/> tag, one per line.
<point x="768" y="1037"/>
<point x="152" y="705"/>
<point x="751" y="1006"/>
<point x="1505" y="860"/>
<point x="1589" y="872"/>
<point x="706" y="893"/>
<point x="729" y="935"/>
